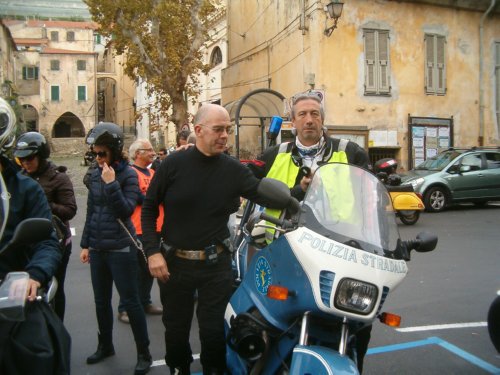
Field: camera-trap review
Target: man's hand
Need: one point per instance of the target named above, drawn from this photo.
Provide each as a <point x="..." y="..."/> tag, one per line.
<point x="84" y="256"/>
<point x="158" y="267"/>
<point x="304" y="183"/>
<point x="108" y="174"/>
<point x="32" y="290"/>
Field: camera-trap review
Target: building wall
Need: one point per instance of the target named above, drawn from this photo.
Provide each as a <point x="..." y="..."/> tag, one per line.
<point x="275" y="53"/>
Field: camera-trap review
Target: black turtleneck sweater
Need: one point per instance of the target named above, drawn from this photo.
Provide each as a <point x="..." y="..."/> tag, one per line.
<point x="198" y="193"/>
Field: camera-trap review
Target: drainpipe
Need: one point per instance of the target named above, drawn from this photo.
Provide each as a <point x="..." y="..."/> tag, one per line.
<point x="481" y="85"/>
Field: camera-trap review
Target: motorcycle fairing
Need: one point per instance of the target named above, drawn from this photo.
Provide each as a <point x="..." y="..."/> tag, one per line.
<point x="317" y="254"/>
<point x="319" y="360"/>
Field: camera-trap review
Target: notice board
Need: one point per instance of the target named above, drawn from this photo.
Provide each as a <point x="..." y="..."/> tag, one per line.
<point x="428" y="136"/>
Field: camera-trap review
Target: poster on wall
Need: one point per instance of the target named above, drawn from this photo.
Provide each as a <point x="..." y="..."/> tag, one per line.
<point x="429" y="136"/>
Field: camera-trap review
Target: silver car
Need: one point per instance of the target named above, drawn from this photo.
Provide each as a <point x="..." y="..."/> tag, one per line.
<point x="457" y="175"/>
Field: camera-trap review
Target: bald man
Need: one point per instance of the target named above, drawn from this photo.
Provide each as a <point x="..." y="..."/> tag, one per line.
<point x="199" y="188"/>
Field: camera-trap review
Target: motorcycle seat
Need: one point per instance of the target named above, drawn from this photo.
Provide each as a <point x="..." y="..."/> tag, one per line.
<point x="400" y="188"/>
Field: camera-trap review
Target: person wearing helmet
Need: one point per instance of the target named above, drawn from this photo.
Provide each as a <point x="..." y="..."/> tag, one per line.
<point x="33" y="151"/>
<point x="108" y="242"/>
<point x="41" y="261"/>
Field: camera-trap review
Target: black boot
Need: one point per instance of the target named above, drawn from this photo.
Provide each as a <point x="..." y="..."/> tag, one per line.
<point x="105" y="349"/>
<point x="144" y="361"/>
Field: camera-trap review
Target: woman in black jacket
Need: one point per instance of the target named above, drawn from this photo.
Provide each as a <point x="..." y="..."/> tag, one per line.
<point x="32" y="151"/>
<point x="108" y="242"/>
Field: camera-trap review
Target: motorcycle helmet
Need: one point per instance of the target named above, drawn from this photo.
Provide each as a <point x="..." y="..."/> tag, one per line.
<point x="387" y="165"/>
<point x="32" y="143"/>
<point x="7" y="126"/>
<point x="107" y="134"/>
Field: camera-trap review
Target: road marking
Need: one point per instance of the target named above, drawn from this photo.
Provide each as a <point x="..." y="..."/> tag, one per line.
<point x="444" y="344"/>
<point x="161" y="362"/>
<point x="442" y="326"/>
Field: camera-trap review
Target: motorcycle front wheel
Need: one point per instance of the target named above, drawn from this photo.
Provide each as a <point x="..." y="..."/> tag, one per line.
<point x="409" y="217"/>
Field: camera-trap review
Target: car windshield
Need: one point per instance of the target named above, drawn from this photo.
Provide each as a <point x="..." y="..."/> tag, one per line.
<point x="350" y="205"/>
<point x="438" y="162"/>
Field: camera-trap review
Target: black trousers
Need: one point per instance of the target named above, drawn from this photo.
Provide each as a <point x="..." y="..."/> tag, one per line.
<point x="214" y="286"/>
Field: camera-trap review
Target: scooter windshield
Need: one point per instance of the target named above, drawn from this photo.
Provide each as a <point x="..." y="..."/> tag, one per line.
<point x="350" y="205"/>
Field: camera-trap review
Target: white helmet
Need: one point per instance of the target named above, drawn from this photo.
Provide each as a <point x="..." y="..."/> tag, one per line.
<point x="7" y="126"/>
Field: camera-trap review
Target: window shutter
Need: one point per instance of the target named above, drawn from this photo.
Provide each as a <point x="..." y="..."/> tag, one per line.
<point x="54" y="93"/>
<point x="440" y="64"/>
<point x="25" y="72"/>
<point x="383" y="51"/>
<point x="82" y="93"/>
<point x="370" y="84"/>
<point x="36" y="72"/>
<point x="429" y="64"/>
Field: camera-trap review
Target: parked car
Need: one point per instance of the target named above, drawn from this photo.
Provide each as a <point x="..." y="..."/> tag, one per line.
<point x="457" y="175"/>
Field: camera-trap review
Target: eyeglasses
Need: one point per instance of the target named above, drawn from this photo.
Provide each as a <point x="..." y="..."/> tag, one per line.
<point x="219" y="129"/>
<point x="28" y="158"/>
<point x="146" y="149"/>
<point x="100" y="154"/>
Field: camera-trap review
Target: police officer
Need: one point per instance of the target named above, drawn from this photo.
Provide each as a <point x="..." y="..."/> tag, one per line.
<point x="311" y="148"/>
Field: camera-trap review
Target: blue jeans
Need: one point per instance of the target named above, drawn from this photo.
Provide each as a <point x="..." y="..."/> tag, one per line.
<point x="107" y="267"/>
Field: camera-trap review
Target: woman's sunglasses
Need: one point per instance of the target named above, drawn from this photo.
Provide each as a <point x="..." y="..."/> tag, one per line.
<point x="27" y="158"/>
<point x="101" y="154"/>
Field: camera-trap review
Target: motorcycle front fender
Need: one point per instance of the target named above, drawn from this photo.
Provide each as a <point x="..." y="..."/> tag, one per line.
<point x="321" y="361"/>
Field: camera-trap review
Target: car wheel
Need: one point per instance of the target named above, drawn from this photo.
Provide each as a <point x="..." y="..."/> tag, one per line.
<point x="435" y="199"/>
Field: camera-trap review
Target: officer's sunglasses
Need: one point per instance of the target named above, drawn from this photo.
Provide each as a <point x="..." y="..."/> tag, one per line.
<point x="101" y="154"/>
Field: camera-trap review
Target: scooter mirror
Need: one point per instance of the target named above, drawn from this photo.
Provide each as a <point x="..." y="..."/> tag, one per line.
<point x="30" y="231"/>
<point x="426" y="241"/>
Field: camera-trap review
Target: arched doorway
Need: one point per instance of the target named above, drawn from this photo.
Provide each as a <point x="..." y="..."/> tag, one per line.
<point x="251" y="114"/>
<point x="68" y="126"/>
<point x="30" y="117"/>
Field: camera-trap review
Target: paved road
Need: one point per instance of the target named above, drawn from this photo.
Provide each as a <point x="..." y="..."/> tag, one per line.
<point x="445" y="291"/>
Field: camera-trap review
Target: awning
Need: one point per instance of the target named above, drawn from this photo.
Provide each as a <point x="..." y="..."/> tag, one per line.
<point x="255" y="109"/>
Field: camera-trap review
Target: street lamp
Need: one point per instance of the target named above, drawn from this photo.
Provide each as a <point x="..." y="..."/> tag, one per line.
<point x="334" y="10"/>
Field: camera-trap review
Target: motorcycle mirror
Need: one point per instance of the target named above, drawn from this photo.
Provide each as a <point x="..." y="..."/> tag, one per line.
<point x="425" y="242"/>
<point x="277" y="195"/>
<point x="28" y="232"/>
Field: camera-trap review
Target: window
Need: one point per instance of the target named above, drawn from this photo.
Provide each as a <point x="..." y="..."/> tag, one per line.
<point x="81" y="65"/>
<point x="492" y="160"/>
<point x="81" y="93"/>
<point x="54" y="64"/>
<point x="30" y="72"/>
<point x="497" y="84"/>
<point x="97" y="38"/>
<point x="54" y="36"/>
<point x="474" y="161"/>
<point x="70" y="36"/>
<point x="435" y="67"/>
<point x="377" y="80"/>
<point x="215" y="57"/>
<point x="54" y="93"/>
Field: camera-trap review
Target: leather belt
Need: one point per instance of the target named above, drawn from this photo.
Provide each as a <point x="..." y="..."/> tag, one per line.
<point x="195" y="254"/>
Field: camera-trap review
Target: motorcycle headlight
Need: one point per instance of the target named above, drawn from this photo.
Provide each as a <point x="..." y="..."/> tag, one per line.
<point x="356" y="296"/>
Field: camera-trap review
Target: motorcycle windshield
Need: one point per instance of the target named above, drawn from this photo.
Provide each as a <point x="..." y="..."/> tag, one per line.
<point x="350" y="205"/>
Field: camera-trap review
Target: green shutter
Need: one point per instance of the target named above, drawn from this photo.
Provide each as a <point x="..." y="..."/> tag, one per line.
<point x="82" y="93"/>
<point x="54" y="93"/>
<point x="25" y="72"/>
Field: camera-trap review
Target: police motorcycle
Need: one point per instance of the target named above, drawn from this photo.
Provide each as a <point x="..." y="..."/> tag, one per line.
<point x="406" y="202"/>
<point x="325" y="276"/>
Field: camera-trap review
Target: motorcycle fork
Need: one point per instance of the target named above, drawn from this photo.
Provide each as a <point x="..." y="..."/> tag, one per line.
<point x="344" y="333"/>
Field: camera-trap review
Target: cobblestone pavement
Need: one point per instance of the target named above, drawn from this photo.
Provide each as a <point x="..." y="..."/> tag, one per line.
<point x="76" y="171"/>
